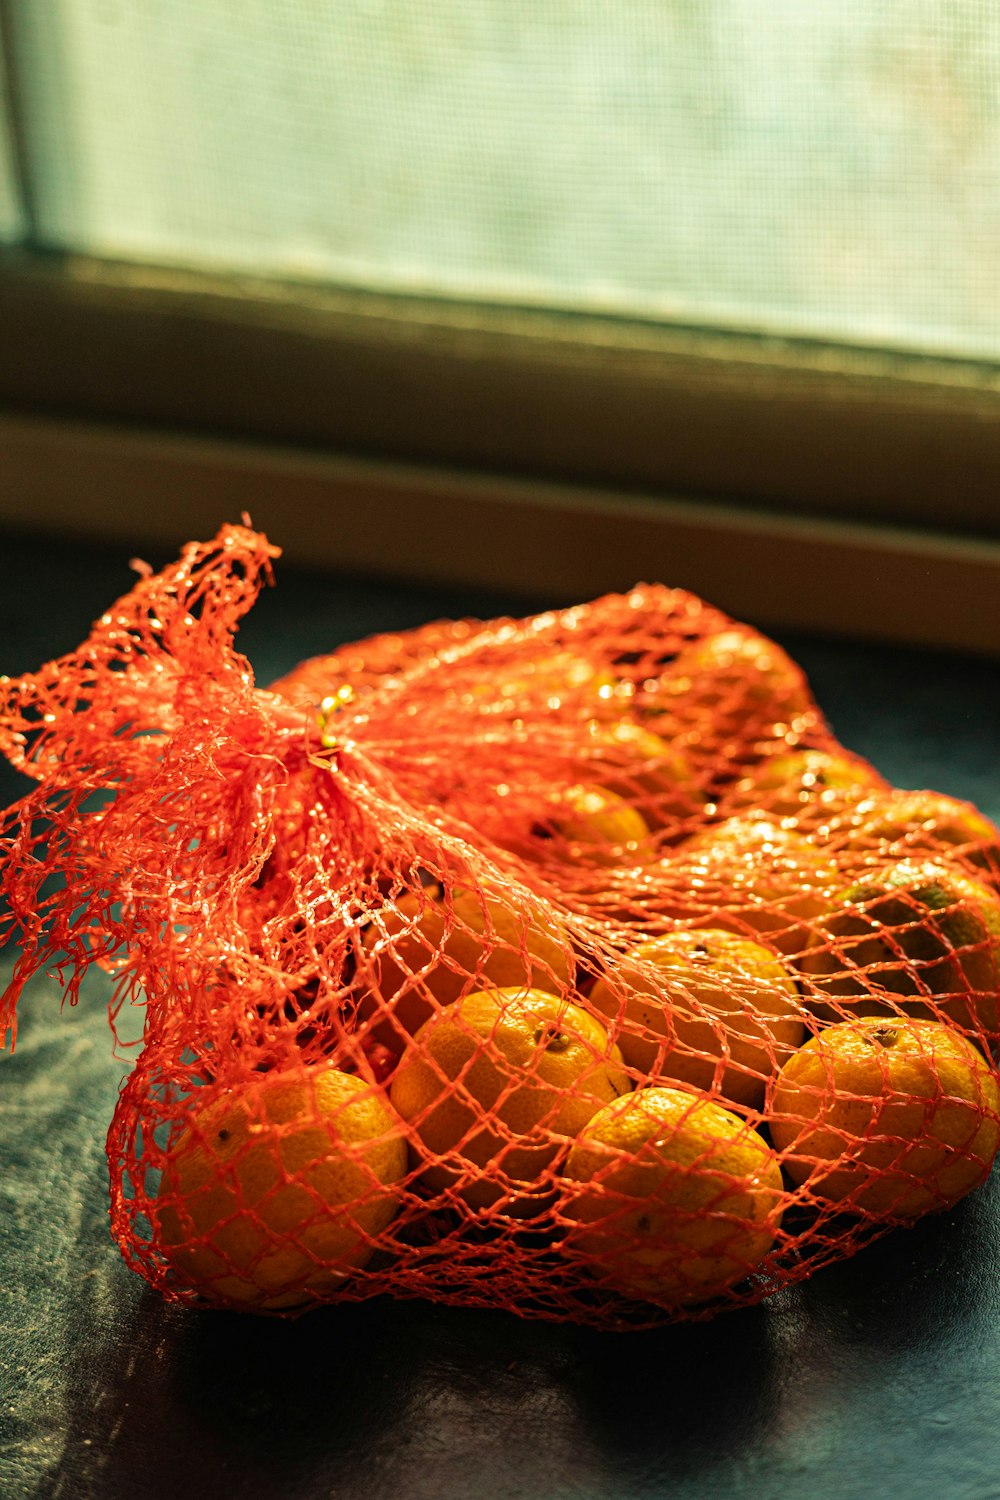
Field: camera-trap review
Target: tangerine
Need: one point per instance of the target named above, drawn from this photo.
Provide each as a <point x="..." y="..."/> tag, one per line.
<point x="669" y="1197"/>
<point x="643" y="768"/>
<point x="888" y="1117"/>
<point x="926" y="936"/>
<point x="496" y="1085"/>
<point x="752" y="876"/>
<point x="275" y="1190"/>
<point x="585" y="825"/>
<point x="808" y="785"/>
<point x="431" y="945"/>
<point x="705" y="1008"/>
<point x="734" y="684"/>
<point x="918" y="823"/>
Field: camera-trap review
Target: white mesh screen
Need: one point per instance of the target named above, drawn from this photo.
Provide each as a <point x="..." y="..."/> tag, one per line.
<point x="12" y="225"/>
<point x="826" y="169"/>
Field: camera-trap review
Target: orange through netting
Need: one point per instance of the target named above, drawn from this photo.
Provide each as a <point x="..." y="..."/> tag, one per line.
<point x="565" y="964"/>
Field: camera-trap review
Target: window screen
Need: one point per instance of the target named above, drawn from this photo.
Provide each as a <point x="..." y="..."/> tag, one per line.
<point x="825" y="169"/>
<point x="12" y="226"/>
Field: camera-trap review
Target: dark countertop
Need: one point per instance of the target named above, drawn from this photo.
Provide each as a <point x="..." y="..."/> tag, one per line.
<point x="879" y="1377"/>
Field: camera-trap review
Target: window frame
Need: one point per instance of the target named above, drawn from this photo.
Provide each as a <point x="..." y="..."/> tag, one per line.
<point x="382" y="436"/>
<point x="790" y="426"/>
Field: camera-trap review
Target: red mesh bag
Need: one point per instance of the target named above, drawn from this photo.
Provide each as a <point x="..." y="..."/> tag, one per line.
<point x="564" y="964"/>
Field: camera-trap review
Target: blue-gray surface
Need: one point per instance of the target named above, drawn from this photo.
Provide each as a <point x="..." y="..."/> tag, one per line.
<point x="880" y="1376"/>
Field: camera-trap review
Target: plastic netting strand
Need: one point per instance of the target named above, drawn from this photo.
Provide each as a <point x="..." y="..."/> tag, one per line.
<point x="565" y="964"/>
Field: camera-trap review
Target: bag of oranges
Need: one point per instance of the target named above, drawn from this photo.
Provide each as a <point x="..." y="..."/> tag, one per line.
<point x="567" y="964"/>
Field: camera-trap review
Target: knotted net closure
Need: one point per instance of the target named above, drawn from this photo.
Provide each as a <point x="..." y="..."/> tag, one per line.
<point x="565" y="964"/>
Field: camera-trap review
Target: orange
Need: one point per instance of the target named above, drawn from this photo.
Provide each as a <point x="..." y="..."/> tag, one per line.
<point x="927" y="933"/>
<point x="427" y="948"/>
<point x="495" y="1085"/>
<point x="894" y="1118"/>
<point x="600" y="825"/>
<point x="918" y="823"/>
<point x="670" y="1198"/>
<point x="275" y="1190"/>
<point x="755" y="874"/>
<point x="650" y="774"/>
<point x="587" y="825"/>
<point x="547" y="682"/>
<point x="806" y="784"/>
<point x="735" y="681"/>
<point x="704" y="1008"/>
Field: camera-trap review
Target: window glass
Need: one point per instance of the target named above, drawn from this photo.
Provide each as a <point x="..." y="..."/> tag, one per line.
<point x="827" y="170"/>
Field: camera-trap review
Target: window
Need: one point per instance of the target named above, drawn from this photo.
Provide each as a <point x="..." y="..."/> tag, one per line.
<point x="699" y="265"/>
<point x="823" y="171"/>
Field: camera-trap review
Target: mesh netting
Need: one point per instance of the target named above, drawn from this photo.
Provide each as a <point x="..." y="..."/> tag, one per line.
<point x="564" y="964"/>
